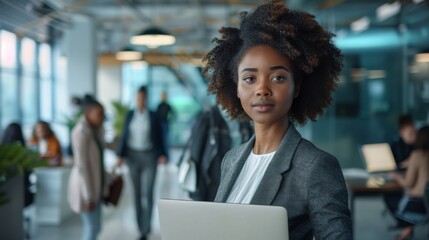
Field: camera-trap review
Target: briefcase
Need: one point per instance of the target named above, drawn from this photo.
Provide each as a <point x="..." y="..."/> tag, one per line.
<point x="115" y="188"/>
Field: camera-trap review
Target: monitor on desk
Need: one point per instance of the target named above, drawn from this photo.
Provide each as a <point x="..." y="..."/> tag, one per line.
<point x="378" y="158"/>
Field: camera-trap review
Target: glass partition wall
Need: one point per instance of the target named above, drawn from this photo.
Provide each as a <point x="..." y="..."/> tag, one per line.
<point x="379" y="82"/>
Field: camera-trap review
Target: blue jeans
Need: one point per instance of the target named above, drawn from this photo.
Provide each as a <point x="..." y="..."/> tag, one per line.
<point x="91" y="222"/>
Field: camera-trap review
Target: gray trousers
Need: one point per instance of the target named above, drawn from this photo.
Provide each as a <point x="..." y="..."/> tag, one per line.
<point x="142" y="165"/>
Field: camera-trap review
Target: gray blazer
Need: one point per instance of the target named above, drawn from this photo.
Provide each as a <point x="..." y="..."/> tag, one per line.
<point x="305" y="180"/>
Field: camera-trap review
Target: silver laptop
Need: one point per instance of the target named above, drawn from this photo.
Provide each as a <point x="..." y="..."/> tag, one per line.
<point x="192" y="220"/>
<point x="378" y="158"/>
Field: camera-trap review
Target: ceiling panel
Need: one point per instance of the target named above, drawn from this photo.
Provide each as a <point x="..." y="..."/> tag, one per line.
<point x="193" y="22"/>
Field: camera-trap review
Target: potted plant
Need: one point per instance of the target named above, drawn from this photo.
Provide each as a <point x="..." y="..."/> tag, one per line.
<point x="70" y="122"/>
<point x="14" y="161"/>
<point x="119" y="115"/>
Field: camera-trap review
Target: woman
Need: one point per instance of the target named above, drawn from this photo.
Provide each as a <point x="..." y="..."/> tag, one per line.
<point x="13" y="134"/>
<point x="48" y="145"/>
<point x="414" y="181"/>
<point x="279" y="69"/>
<point x="88" y="182"/>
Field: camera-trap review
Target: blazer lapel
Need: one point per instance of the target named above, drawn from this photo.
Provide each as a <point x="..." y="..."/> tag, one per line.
<point x="234" y="170"/>
<point x="280" y="163"/>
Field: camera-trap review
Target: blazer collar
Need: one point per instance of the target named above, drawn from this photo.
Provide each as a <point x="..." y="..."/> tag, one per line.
<point x="271" y="181"/>
<point x="234" y="170"/>
<point x="280" y="163"/>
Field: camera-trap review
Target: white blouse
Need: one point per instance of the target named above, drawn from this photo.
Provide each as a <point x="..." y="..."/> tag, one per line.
<point x="250" y="176"/>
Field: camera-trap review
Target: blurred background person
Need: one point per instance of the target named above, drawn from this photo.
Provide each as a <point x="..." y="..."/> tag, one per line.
<point x="413" y="181"/>
<point x="402" y="147"/>
<point x="88" y="184"/>
<point x="142" y="145"/>
<point x="47" y="143"/>
<point x="13" y="134"/>
<point x="165" y="113"/>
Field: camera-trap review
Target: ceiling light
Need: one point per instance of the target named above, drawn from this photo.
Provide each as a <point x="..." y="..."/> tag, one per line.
<point x="388" y="10"/>
<point x="422" y="57"/>
<point x="128" y="54"/>
<point x="360" y="24"/>
<point x="153" y="37"/>
<point x="197" y="62"/>
<point x="417" y="1"/>
<point x="374" y="74"/>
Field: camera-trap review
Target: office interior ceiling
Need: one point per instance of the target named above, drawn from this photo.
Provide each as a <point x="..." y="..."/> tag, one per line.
<point x="194" y="22"/>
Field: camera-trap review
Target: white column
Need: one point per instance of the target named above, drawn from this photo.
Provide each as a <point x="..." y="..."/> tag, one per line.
<point x="81" y="53"/>
<point x="76" y="70"/>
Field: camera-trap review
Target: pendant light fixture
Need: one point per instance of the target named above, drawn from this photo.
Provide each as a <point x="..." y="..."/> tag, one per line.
<point x="128" y="54"/>
<point x="153" y="37"/>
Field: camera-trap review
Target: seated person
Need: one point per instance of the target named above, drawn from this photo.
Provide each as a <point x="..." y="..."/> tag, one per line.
<point x="401" y="150"/>
<point x="13" y="134"/>
<point x="47" y="143"/>
<point x="413" y="181"/>
<point x="403" y="147"/>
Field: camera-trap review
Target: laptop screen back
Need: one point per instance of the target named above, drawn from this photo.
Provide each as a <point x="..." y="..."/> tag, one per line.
<point x="192" y="220"/>
<point x="378" y="157"/>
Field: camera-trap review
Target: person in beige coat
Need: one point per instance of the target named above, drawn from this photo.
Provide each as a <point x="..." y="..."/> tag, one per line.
<point x="414" y="181"/>
<point x="88" y="182"/>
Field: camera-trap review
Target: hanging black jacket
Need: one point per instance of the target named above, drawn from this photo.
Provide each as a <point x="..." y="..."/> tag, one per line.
<point x="210" y="140"/>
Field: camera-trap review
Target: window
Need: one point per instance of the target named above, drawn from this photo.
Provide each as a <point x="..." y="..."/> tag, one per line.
<point x="186" y="103"/>
<point x="29" y="88"/>
<point x="134" y="75"/>
<point x="9" y="103"/>
<point x="26" y="80"/>
<point x="46" y="88"/>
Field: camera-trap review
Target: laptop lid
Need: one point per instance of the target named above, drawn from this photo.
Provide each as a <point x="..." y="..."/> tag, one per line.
<point x="192" y="220"/>
<point x="378" y="157"/>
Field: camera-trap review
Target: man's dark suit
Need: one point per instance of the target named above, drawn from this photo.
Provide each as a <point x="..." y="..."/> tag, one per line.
<point x="142" y="165"/>
<point x="155" y="133"/>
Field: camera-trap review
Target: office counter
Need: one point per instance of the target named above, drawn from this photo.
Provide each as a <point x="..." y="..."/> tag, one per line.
<point x="51" y="197"/>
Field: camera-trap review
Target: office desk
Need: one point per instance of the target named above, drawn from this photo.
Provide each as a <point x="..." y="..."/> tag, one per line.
<point x="370" y="186"/>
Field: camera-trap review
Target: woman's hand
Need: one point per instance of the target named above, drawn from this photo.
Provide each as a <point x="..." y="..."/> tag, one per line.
<point x="399" y="177"/>
<point x="162" y="159"/>
<point x="119" y="162"/>
<point x="88" y="206"/>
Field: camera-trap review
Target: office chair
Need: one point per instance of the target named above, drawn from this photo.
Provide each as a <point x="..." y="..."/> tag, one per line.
<point x="426" y="198"/>
<point x="415" y="218"/>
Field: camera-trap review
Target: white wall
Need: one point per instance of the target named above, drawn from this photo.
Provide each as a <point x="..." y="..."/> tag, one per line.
<point x="108" y="90"/>
<point x="109" y="84"/>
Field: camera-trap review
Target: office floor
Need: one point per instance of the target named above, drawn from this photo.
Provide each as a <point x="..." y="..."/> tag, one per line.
<point x="119" y="223"/>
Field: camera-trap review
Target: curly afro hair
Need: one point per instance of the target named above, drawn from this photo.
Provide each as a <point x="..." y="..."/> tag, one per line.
<point x="294" y="34"/>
